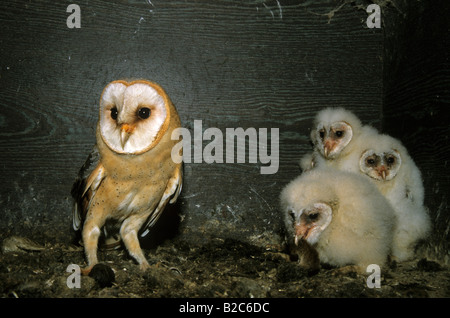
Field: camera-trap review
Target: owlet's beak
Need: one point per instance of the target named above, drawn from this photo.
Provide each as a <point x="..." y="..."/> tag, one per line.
<point x="328" y="147"/>
<point x="125" y="133"/>
<point x="301" y="232"/>
<point x="297" y="239"/>
<point x="382" y="172"/>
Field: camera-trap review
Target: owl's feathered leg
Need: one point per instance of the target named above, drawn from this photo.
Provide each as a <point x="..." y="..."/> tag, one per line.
<point x="129" y="233"/>
<point x="91" y="234"/>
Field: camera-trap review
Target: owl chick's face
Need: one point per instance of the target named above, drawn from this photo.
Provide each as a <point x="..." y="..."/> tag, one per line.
<point x="310" y="222"/>
<point x="333" y="138"/>
<point x="381" y="166"/>
<point x="133" y="116"/>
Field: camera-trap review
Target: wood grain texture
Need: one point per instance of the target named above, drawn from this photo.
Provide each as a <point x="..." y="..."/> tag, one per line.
<point x="262" y="64"/>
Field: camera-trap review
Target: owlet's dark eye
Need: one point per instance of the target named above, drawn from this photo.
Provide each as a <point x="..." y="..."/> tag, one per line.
<point x="322" y="134"/>
<point x="313" y="216"/>
<point x="339" y="133"/>
<point x="114" y="113"/>
<point x="370" y="161"/>
<point x="144" y="113"/>
<point x="292" y="215"/>
<point x="390" y="160"/>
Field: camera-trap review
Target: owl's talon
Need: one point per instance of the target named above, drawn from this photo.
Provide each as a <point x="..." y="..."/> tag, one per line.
<point x="85" y="271"/>
<point x="144" y="266"/>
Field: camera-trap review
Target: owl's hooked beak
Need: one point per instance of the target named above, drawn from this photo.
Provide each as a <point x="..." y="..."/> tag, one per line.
<point x="328" y="147"/>
<point x="301" y="232"/>
<point x="297" y="239"/>
<point x="125" y="132"/>
<point x="382" y="172"/>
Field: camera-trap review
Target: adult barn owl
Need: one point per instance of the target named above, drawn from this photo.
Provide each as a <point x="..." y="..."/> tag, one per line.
<point x="130" y="176"/>
<point x="335" y="135"/>
<point x="340" y="214"/>
<point x="387" y="162"/>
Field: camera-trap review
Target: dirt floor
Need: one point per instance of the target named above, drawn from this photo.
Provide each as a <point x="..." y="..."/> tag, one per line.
<point x="220" y="268"/>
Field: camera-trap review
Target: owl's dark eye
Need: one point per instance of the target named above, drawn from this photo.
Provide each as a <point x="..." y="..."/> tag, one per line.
<point x="390" y="160"/>
<point x="339" y="133"/>
<point x="322" y="134"/>
<point x="144" y="113"/>
<point x="114" y="113"/>
<point x="292" y="214"/>
<point x="313" y="216"/>
<point x="370" y="161"/>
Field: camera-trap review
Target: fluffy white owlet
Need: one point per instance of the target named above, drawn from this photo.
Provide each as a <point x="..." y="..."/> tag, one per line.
<point x="386" y="161"/>
<point x="341" y="214"/>
<point x="130" y="176"/>
<point x="335" y="135"/>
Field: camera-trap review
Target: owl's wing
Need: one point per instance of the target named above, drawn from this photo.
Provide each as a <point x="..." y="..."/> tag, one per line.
<point x="171" y="194"/>
<point x="85" y="186"/>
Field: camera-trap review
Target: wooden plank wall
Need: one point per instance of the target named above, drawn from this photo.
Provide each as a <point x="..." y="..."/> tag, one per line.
<point x="262" y="64"/>
<point x="417" y="100"/>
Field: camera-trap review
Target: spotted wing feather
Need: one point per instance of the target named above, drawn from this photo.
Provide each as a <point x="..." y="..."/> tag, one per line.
<point x="171" y="194"/>
<point x="85" y="186"/>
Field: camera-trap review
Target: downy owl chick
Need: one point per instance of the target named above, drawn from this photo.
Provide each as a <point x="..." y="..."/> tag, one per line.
<point x="335" y="135"/>
<point x="130" y="176"/>
<point x="341" y="214"/>
<point x="387" y="162"/>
